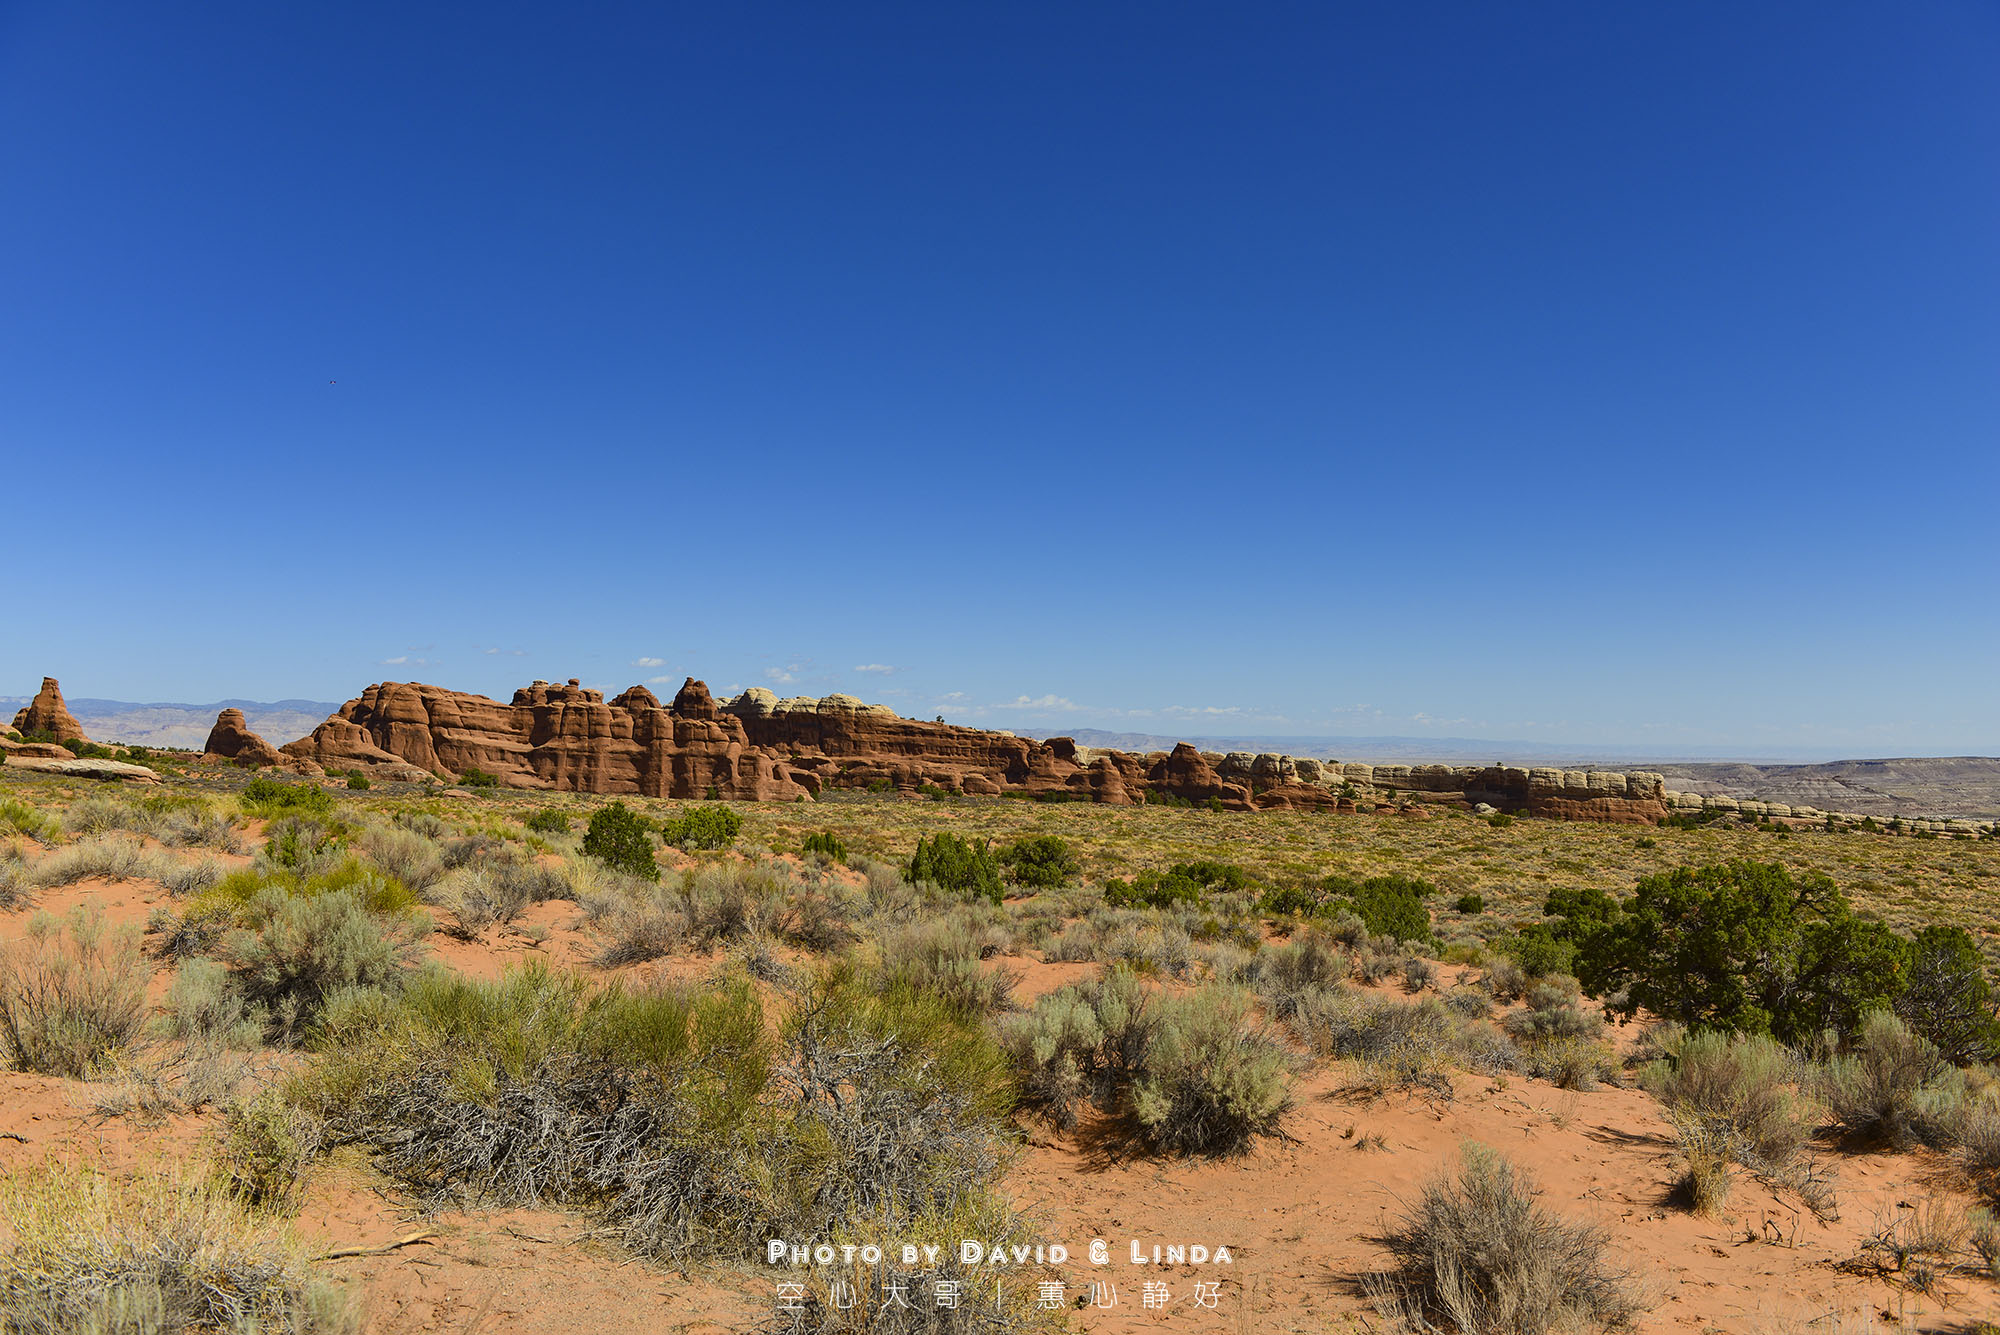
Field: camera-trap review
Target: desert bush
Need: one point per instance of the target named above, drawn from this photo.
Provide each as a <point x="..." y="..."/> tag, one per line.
<point x="191" y="878"/>
<point x="24" y="819"/>
<point x="702" y="827"/>
<point x="1504" y="979"/>
<point x="622" y="839"/>
<point x="1740" y="945"/>
<point x="237" y="891"/>
<point x="1743" y="1082"/>
<point x="475" y="777"/>
<point x="110" y="857"/>
<point x="643" y="928"/>
<point x="1419" y="973"/>
<point x="1537" y="952"/>
<point x="1285" y="975"/>
<point x="1887" y="1087"/>
<point x="404" y="854"/>
<point x="1193" y="1073"/>
<point x="298" y="952"/>
<point x="72" y="994"/>
<point x="1041" y="862"/>
<point x="1477" y="1252"/>
<point x="729" y="902"/>
<point x="270" y="798"/>
<point x="547" y="821"/>
<point x="673" y="1112"/>
<point x="204" y="1005"/>
<point x="1469" y="904"/>
<point x="151" y="1256"/>
<point x="1208" y="1081"/>
<point x="476" y="898"/>
<point x="358" y="782"/>
<point x="825" y="844"/>
<point x="942" y="957"/>
<point x="1391" y="906"/>
<point x="1947" y="999"/>
<point x="1470" y="1002"/>
<point x="814" y="920"/>
<point x="1708" y="1148"/>
<point x="421" y="822"/>
<point x="1569" y="1061"/>
<point x="471" y="849"/>
<point x="301" y="844"/>
<point x="958" y="865"/>
<point x="1183" y="884"/>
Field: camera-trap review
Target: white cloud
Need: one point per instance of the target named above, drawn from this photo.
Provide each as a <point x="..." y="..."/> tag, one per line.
<point x="403" y="660"/>
<point x="952" y="695"/>
<point x="784" y="675"/>
<point x="1185" y="711"/>
<point x="649" y="662"/>
<point x="873" y="667"/>
<point x="1045" y="704"/>
<point x="660" y="681"/>
<point x="511" y="653"/>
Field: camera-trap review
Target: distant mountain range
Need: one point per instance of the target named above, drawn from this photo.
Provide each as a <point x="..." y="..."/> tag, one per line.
<point x="276" y="721"/>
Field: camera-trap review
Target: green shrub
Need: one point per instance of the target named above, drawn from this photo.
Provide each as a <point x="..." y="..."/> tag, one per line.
<point x="547" y="821"/>
<point x="1887" y="1088"/>
<point x="702" y="827"/>
<point x="72" y="994"/>
<point x="943" y="957"/>
<point x="1478" y="1254"/>
<point x="474" y="777"/>
<point x="1740" y="945"/>
<point x="1286" y="975"/>
<point x="958" y="865"/>
<point x="270" y="797"/>
<point x="1470" y="904"/>
<point x="1184" y="883"/>
<point x="24" y="819"/>
<point x="300" y="843"/>
<point x="672" y="1112"/>
<point x="1735" y="1090"/>
<point x="1538" y="951"/>
<point x="299" y="952"/>
<point x="1193" y="1072"/>
<point x="358" y="781"/>
<point x="622" y="839"/>
<point x="1391" y="906"/>
<point x="1043" y="862"/>
<point x="827" y="845"/>
<point x="1947" y="998"/>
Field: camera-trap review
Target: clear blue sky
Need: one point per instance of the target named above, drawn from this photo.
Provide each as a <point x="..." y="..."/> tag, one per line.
<point x="1578" y="373"/>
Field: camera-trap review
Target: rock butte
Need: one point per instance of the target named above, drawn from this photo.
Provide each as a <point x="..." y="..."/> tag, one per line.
<point x="758" y="747"/>
<point x="47" y="713"/>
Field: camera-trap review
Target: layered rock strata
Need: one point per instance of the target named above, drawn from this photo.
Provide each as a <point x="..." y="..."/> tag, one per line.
<point x="759" y="747"/>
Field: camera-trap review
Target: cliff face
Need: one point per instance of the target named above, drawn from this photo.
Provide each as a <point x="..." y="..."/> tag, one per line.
<point x="757" y="747"/>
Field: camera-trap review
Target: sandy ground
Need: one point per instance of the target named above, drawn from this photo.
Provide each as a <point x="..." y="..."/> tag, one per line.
<point x="1302" y="1217"/>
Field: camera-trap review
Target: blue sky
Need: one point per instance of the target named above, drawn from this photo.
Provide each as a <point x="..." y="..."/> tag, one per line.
<point x="1571" y="373"/>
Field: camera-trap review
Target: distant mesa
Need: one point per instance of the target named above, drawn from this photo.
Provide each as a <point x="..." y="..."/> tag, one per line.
<point x="759" y="747"/>
<point x="47" y="713"/>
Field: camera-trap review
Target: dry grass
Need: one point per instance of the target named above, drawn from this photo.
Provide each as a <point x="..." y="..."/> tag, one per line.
<point x="150" y="1256"/>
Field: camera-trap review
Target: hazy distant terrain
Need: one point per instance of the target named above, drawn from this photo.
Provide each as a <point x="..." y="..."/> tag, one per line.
<point x="1916" y="786"/>
<point x="1428" y="750"/>
<point x="276" y="721"/>
<point x="1912" y="786"/>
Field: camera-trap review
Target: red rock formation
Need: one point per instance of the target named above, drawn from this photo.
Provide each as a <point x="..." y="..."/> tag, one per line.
<point x="47" y="713"/>
<point x="760" y="748"/>
<point x="231" y="739"/>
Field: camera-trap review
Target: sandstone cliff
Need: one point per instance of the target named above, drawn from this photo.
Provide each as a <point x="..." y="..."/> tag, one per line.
<point x="759" y="747"/>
